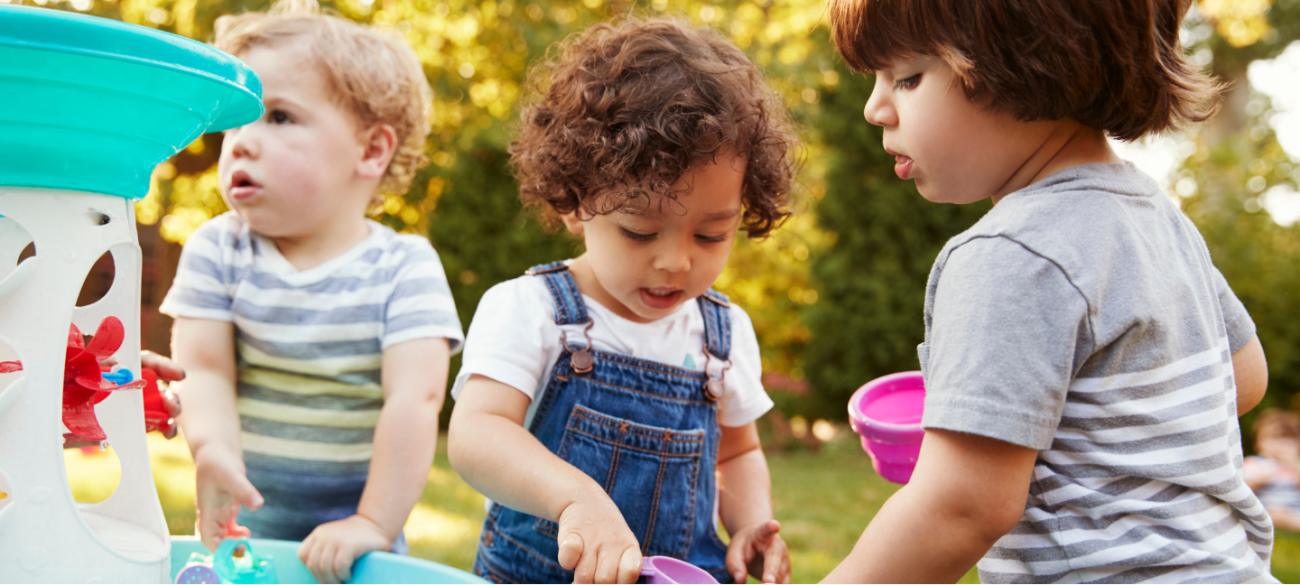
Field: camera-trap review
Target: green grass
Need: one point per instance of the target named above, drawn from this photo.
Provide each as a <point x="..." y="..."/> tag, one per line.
<point x="822" y="499"/>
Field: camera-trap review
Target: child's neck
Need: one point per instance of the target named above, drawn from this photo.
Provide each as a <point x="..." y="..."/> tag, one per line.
<point x="1070" y="144"/>
<point x="320" y="246"/>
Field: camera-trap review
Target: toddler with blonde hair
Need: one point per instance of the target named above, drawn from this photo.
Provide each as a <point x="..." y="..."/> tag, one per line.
<point x="316" y="341"/>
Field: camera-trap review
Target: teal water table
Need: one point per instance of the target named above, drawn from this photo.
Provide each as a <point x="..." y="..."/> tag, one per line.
<point x="375" y="567"/>
<point x="88" y="108"/>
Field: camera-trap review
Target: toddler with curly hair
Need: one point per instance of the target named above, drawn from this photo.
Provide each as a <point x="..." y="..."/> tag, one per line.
<point x="606" y="404"/>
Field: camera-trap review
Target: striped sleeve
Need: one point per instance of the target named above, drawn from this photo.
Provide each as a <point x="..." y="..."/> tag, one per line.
<point x="201" y="288"/>
<point x="1241" y="328"/>
<point x="421" y="305"/>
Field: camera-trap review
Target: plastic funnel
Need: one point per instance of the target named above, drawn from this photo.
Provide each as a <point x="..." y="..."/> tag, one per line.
<point x="886" y="412"/>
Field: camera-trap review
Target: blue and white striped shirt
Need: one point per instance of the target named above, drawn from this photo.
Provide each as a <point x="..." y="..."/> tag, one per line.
<point x="309" y="344"/>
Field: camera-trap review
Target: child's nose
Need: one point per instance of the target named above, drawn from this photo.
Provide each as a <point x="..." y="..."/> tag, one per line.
<point x="243" y="143"/>
<point x="878" y="110"/>
<point x="673" y="257"/>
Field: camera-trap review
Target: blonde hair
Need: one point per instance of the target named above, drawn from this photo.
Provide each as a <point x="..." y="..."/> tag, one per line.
<point x="375" y="75"/>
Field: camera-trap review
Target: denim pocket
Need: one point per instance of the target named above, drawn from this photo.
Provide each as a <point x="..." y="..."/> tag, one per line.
<point x="650" y="472"/>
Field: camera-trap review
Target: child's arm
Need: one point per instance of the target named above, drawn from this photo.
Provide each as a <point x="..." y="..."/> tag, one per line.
<point x="414" y="380"/>
<point x="745" y="504"/>
<point x="205" y="348"/>
<point x="492" y="451"/>
<point x="1251" y="371"/>
<point x="966" y="492"/>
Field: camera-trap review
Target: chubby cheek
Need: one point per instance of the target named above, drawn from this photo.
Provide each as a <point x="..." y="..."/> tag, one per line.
<point x="612" y="259"/>
<point x="709" y="264"/>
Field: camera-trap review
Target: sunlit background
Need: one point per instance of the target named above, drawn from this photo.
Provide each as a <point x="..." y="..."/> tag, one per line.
<point x="836" y="295"/>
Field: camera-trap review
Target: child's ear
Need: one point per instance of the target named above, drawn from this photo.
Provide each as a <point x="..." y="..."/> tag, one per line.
<point x="378" y="144"/>
<point x="573" y="223"/>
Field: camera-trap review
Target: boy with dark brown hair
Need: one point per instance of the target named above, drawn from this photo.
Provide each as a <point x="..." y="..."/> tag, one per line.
<point x="1084" y="360"/>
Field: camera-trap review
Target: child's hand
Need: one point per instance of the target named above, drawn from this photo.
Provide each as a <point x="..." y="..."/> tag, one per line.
<point x="760" y="551"/>
<point x="597" y="545"/>
<point x="332" y="547"/>
<point x="220" y="489"/>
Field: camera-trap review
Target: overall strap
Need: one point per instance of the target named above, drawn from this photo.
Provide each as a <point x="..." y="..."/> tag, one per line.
<point x="569" y="308"/>
<point x="716" y="307"/>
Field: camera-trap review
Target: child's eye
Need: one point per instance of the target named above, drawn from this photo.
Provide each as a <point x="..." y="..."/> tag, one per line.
<point x="711" y="239"/>
<point x="637" y="237"/>
<point x="908" y="83"/>
<point x="278" y="117"/>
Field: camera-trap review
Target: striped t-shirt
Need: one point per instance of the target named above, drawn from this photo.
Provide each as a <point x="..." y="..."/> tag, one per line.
<point x="1082" y="317"/>
<point x="309" y="345"/>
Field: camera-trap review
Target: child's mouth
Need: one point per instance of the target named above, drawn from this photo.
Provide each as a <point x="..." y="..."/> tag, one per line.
<point x="660" y="298"/>
<point x="902" y="167"/>
<point x="242" y="186"/>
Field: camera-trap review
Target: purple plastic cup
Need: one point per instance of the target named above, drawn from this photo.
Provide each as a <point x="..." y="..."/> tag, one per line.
<point x="886" y="412"/>
<point x="667" y="570"/>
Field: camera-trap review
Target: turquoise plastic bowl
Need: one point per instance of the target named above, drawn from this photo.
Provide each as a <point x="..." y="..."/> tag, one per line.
<point x="91" y="104"/>
<point x="375" y="567"/>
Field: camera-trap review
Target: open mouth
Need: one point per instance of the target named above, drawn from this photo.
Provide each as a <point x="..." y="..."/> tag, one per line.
<point x="242" y="186"/>
<point x="661" y="298"/>
<point x="902" y="164"/>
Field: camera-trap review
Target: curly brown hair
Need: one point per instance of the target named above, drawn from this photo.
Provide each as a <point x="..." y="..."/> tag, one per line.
<point x="621" y="111"/>
<point x="1113" y="65"/>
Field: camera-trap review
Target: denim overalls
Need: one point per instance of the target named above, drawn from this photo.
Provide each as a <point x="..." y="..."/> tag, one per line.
<point x="647" y="431"/>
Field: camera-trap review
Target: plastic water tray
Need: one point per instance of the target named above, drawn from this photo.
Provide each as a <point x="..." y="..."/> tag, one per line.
<point x="375" y="567"/>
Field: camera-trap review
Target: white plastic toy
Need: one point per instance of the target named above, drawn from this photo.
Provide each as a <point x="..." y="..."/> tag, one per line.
<point x="88" y="107"/>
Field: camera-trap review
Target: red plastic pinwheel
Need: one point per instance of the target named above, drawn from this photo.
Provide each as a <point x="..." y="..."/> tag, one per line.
<point x="156" y="416"/>
<point x="83" y="383"/>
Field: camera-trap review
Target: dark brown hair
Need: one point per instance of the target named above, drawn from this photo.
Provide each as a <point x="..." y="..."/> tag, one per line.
<point x="1287" y="422"/>
<point x="622" y="111"/>
<point x="1114" y="65"/>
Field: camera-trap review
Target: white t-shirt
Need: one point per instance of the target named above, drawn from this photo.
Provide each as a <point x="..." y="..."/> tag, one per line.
<point x="514" y="340"/>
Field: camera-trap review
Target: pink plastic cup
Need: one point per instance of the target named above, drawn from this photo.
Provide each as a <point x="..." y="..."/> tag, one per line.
<point x="666" y="570"/>
<point x="886" y="412"/>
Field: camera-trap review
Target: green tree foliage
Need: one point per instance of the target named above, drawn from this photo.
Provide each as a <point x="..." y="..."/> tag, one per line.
<point x="1232" y="162"/>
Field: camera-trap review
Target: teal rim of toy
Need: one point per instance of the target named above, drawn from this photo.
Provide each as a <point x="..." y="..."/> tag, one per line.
<point x="92" y="104"/>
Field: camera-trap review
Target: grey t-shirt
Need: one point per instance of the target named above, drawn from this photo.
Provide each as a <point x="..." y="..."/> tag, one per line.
<point x="1082" y="317"/>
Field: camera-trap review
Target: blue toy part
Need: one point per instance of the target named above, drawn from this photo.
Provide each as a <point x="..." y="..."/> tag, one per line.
<point x="120" y="377"/>
<point x="375" y="567"/>
<point x="199" y="571"/>
<point x="248" y="568"/>
<point x="92" y="104"/>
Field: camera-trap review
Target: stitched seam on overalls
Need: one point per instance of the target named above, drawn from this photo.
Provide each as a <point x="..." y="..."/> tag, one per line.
<point x="530" y="552"/>
<point x="644" y="393"/>
<point x="561" y="311"/>
<point x="649" y="365"/>
<point x="548" y="398"/>
<point x="608" y="422"/>
<point x="690" y="525"/>
<point x="613" y="462"/>
<point x="637" y="449"/>
<point x="490" y="567"/>
<point x="544" y="527"/>
<point x="659" y="482"/>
